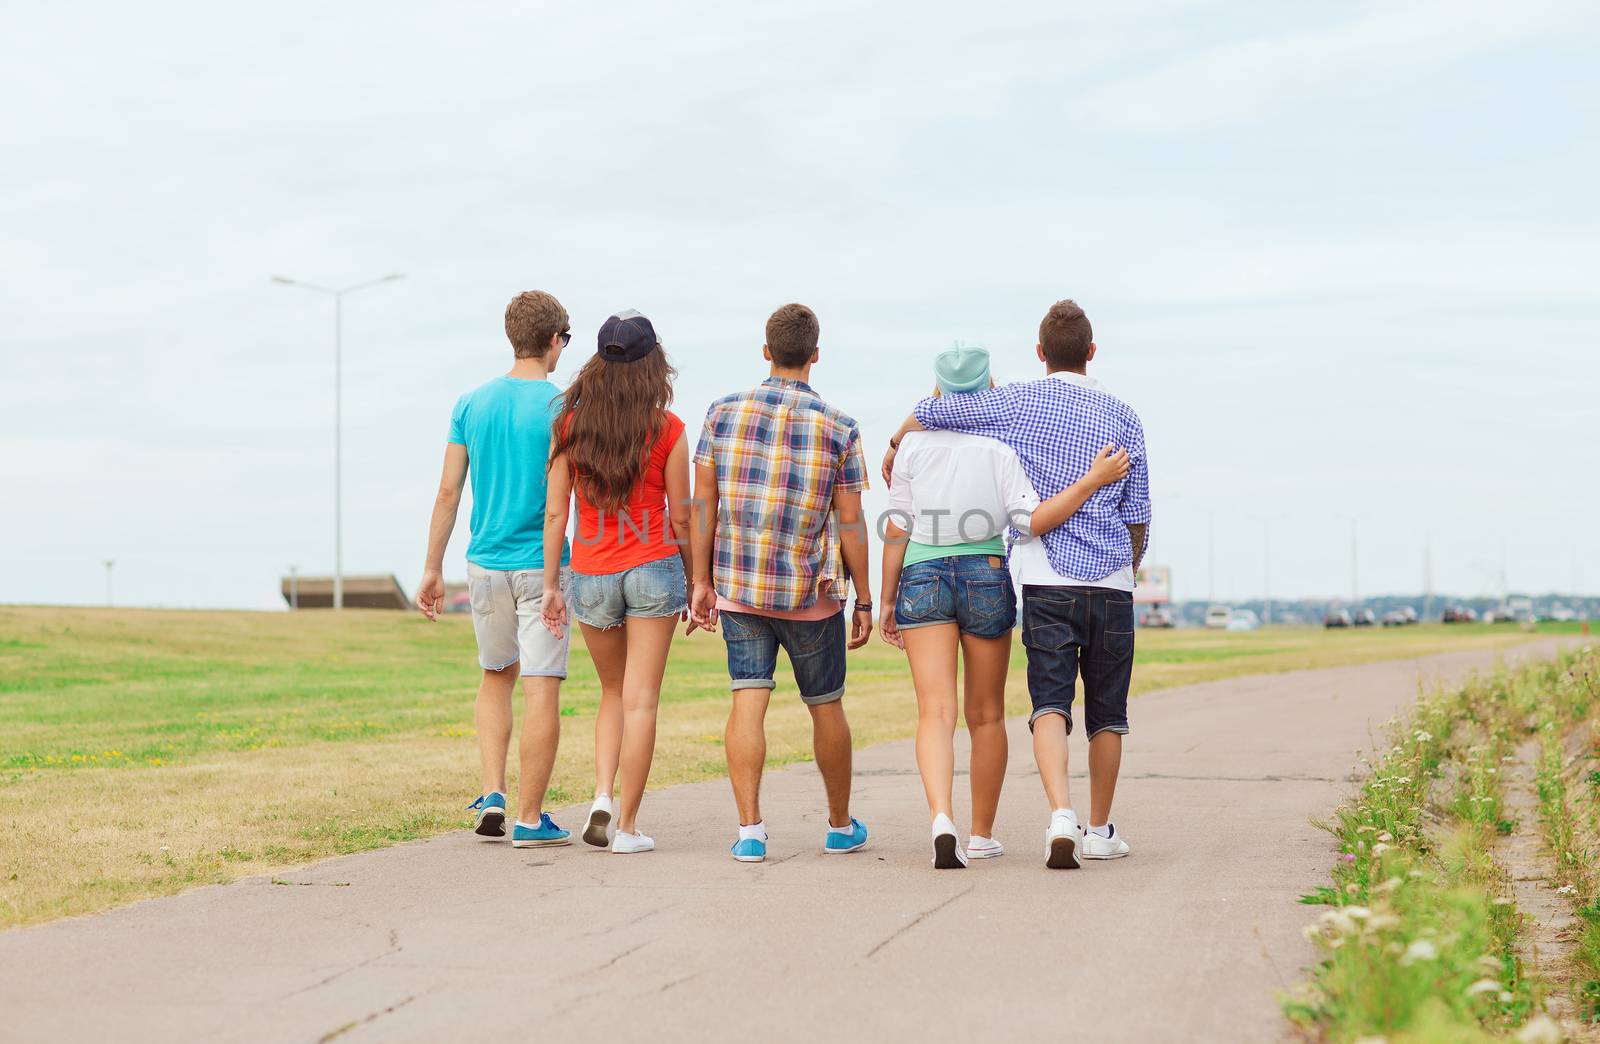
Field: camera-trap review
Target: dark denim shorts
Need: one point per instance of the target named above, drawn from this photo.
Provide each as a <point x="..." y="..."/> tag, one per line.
<point x="652" y="589"/>
<point x="1079" y="630"/>
<point x="973" y="592"/>
<point x="815" y="648"/>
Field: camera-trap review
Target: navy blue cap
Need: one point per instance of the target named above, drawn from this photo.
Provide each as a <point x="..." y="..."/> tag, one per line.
<point x="627" y="337"/>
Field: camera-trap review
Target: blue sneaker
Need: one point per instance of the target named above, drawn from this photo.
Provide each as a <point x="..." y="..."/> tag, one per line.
<point x="838" y="844"/>
<point x="750" y="850"/>
<point x="491" y="821"/>
<point x="544" y="835"/>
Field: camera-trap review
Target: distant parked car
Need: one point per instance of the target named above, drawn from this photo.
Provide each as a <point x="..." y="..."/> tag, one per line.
<point x="1243" y="620"/>
<point x="1395" y="618"/>
<point x="1364" y="618"/>
<point x="1217" y="617"/>
<point x="1410" y="614"/>
<point x="1338" y="618"/>
<point x="1156" y="617"/>
<point x="1459" y="614"/>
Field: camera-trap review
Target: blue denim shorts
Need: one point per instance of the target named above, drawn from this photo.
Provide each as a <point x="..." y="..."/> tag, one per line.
<point x="1072" y="631"/>
<point x="652" y="589"/>
<point x="815" y="648"/>
<point x="973" y="592"/>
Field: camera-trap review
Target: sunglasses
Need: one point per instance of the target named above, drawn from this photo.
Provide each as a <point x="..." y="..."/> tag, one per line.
<point x="566" y="338"/>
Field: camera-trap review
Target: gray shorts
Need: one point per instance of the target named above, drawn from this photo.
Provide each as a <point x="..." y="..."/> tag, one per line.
<point x="505" y="617"/>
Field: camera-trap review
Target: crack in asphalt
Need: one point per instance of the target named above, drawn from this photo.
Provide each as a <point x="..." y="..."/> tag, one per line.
<point x="347" y="1027"/>
<point x="677" y="982"/>
<point x="394" y="948"/>
<point x="923" y="916"/>
<point x="629" y="924"/>
<point x="608" y="963"/>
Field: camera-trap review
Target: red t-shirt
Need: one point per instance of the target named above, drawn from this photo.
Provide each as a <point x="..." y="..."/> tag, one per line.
<point x="609" y="541"/>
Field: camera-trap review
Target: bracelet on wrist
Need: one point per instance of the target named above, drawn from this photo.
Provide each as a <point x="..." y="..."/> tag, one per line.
<point x="863" y="607"/>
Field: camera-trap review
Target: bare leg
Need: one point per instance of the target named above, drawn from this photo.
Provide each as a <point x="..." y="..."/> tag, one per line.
<point x="609" y="651"/>
<point x="985" y="661"/>
<point x="649" y="638"/>
<point x="536" y="755"/>
<point x="1050" y="752"/>
<point x="1105" y="761"/>
<point x="492" y="715"/>
<point x="746" y="746"/>
<point x="830" y="739"/>
<point x="932" y="654"/>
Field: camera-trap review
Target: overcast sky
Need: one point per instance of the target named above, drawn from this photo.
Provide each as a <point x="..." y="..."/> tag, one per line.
<point x="1341" y="258"/>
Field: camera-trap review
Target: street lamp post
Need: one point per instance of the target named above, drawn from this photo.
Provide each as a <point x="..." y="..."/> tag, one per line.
<point x="338" y="414"/>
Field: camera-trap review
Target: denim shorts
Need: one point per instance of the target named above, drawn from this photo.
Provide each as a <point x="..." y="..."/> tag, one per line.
<point x="652" y="589"/>
<point x="815" y="648"/>
<point x="973" y="592"/>
<point x="1079" y="630"/>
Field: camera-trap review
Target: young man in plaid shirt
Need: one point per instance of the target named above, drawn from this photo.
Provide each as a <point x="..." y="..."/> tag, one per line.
<point x="778" y="536"/>
<point x="1076" y="581"/>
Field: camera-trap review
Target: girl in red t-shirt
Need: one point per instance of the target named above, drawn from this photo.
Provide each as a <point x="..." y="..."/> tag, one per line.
<point x="623" y="454"/>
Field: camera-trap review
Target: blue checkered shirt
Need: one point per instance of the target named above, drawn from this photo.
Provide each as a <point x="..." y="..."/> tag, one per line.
<point x="1057" y="426"/>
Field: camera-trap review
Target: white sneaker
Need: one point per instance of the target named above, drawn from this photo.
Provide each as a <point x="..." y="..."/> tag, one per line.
<point x="984" y="848"/>
<point x="627" y="844"/>
<point x="947" y="853"/>
<point x="1062" y="840"/>
<point x="597" y="831"/>
<point x="1097" y="847"/>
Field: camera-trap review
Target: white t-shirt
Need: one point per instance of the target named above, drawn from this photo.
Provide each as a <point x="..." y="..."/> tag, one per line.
<point x="954" y="488"/>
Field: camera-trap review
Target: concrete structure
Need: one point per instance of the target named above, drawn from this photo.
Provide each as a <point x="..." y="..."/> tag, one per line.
<point x="360" y="592"/>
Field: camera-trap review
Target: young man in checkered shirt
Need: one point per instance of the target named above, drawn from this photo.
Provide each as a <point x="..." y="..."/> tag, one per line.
<point x="778" y="537"/>
<point x="1077" y="580"/>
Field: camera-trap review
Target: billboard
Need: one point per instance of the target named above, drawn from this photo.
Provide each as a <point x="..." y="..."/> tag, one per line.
<point x="1154" y="585"/>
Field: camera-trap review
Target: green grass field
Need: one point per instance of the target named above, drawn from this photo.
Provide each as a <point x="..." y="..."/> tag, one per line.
<point x="144" y="752"/>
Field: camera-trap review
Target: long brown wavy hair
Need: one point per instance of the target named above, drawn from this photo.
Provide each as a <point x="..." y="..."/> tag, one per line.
<point x="611" y="416"/>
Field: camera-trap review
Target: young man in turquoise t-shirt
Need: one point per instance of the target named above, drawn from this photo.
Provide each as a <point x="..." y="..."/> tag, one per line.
<point x="500" y="434"/>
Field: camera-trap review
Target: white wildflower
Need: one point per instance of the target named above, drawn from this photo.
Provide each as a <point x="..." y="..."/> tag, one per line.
<point x="1419" y="950"/>
<point x="1338" y="921"/>
<point x="1541" y="1029"/>
<point x="1422" y="736"/>
<point x="1379" y="848"/>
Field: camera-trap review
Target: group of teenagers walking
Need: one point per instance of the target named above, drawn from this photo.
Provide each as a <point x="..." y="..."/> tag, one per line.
<point x="1039" y="486"/>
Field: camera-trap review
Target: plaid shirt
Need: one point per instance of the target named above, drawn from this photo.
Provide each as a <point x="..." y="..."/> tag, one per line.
<point x="780" y="454"/>
<point x="1057" y="425"/>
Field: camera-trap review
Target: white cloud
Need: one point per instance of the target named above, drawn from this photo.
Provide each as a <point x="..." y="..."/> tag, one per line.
<point x="1244" y="80"/>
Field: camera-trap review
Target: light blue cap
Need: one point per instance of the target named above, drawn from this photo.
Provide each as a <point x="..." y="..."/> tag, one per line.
<point x="962" y="368"/>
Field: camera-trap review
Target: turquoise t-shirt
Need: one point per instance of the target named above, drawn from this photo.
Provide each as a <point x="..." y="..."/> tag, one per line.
<point x="505" y="426"/>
